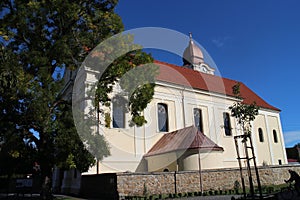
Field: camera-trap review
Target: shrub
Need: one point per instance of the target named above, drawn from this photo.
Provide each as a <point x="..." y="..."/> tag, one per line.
<point x="270" y="189"/>
<point x="237" y="186"/>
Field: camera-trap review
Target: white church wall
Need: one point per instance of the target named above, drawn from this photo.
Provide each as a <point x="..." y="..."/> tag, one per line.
<point x="209" y="160"/>
<point x="128" y="145"/>
<point x="162" y="162"/>
<point x="261" y="142"/>
<point x="278" y="150"/>
<point x="279" y="153"/>
<point x="126" y="148"/>
<point x="269" y="152"/>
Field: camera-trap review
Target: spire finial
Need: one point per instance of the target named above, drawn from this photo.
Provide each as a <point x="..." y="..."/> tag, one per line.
<point x="190" y="33"/>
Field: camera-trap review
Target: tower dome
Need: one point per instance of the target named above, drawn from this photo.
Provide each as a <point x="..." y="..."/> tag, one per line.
<point x="192" y="54"/>
<point x="193" y="58"/>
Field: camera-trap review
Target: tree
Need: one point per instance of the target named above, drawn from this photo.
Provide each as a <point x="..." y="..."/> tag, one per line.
<point x="39" y="38"/>
<point x="12" y="82"/>
<point x="136" y="82"/>
<point x="245" y="114"/>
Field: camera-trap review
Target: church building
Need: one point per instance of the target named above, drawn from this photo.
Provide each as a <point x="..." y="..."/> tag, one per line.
<point x="189" y="121"/>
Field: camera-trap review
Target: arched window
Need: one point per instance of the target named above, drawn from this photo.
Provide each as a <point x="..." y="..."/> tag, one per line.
<point x="162" y="113"/>
<point x="275" y="136"/>
<point x="118" y="114"/>
<point x="260" y="135"/>
<point x="198" y="119"/>
<point x="227" y="124"/>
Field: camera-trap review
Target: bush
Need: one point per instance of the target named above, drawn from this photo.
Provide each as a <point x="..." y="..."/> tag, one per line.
<point x="270" y="189"/>
<point x="237" y="186"/>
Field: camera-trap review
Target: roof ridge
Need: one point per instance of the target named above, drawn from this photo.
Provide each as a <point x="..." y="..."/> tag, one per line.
<point x="208" y="82"/>
<point x="182" y="68"/>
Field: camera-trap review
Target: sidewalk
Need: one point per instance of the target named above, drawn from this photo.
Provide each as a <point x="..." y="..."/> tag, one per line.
<point x="221" y="197"/>
<point x="66" y="197"/>
<point x="36" y="196"/>
<point x="229" y="197"/>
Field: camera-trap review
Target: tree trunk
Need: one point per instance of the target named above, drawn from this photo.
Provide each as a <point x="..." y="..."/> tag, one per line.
<point x="46" y="178"/>
<point x="46" y="190"/>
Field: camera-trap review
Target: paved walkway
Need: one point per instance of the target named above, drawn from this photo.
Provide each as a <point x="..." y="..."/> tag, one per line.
<point x="58" y="197"/>
<point x="35" y="196"/>
<point x="229" y="197"/>
<point x="224" y="197"/>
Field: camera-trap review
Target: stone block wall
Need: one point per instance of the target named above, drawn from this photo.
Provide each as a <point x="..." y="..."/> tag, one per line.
<point x="140" y="184"/>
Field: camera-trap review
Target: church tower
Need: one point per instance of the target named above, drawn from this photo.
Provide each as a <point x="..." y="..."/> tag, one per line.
<point x="193" y="58"/>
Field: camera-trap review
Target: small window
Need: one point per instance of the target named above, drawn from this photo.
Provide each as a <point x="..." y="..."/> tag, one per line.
<point x="118" y="114"/>
<point x="162" y="111"/>
<point x="227" y="124"/>
<point x="275" y="136"/>
<point x="279" y="162"/>
<point x="198" y="119"/>
<point x="260" y="135"/>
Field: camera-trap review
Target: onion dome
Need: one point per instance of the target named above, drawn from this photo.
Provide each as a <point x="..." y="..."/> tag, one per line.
<point x="192" y="54"/>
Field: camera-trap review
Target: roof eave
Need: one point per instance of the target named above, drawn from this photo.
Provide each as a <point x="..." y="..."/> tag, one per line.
<point x="216" y="148"/>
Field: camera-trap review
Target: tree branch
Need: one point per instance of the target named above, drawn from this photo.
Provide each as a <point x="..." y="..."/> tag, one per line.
<point x="55" y="104"/>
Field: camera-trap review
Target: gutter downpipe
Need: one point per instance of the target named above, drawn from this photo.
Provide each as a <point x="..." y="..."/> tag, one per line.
<point x="183" y="107"/>
<point x="200" y="172"/>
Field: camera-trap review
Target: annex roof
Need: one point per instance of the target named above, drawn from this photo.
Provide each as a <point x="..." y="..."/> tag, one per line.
<point x="184" y="139"/>
<point x="197" y="80"/>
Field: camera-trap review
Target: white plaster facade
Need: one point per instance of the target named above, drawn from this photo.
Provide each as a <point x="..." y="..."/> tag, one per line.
<point x="128" y="145"/>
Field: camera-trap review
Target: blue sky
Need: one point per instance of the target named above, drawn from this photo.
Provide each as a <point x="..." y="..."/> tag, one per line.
<point x="253" y="41"/>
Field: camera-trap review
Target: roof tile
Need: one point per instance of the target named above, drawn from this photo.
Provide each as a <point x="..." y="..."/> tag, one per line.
<point x="183" y="139"/>
<point x="197" y="80"/>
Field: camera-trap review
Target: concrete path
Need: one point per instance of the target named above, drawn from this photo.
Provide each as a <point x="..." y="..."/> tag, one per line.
<point x="224" y="197"/>
<point x="229" y="197"/>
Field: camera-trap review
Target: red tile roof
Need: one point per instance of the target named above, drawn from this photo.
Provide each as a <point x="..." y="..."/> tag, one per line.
<point x="197" y="80"/>
<point x="183" y="139"/>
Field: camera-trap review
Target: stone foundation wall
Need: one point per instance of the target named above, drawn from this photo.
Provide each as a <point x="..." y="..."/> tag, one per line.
<point x="139" y="184"/>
